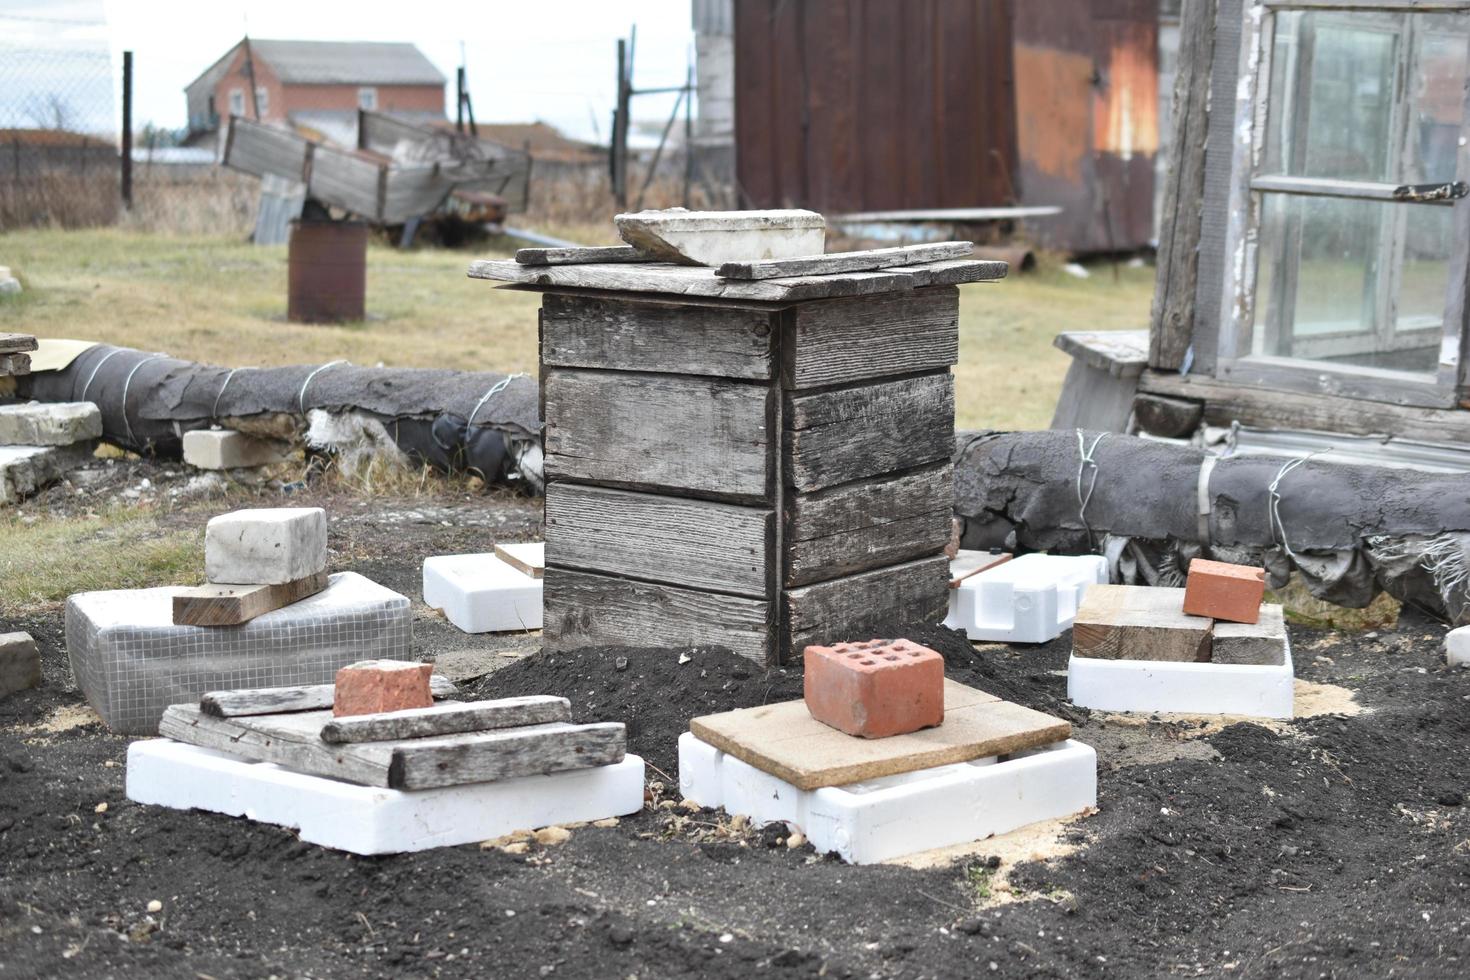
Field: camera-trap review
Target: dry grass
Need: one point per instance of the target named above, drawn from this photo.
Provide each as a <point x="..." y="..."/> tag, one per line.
<point x="220" y="301"/>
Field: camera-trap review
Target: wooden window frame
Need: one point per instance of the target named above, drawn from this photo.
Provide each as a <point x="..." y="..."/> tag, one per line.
<point x="1234" y="361"/>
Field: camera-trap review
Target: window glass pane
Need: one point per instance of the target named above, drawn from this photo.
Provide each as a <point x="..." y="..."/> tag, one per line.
<point x="1436" y="100"/>
<point x="1352" y="282"/>
<point x="1330" y="111"/>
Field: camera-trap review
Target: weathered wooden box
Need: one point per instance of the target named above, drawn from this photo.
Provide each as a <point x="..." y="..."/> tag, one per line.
<point x="759" y="475"/>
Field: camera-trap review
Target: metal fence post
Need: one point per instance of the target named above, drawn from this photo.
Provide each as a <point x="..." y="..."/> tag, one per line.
<point x="127" y="131"/>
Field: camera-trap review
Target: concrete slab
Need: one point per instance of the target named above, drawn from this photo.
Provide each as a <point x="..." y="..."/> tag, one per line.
<point x="49" y="423"/>
<point x="26" y="469"/>
<point x="226" y="449"/>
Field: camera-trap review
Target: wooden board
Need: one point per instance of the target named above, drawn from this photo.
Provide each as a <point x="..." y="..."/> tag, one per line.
<point x="726" y="341"/>
<point x="970" y="563"/>
<point x="580" y="256"/>
<point x="231" y="605"/>
<point x="281" y="700"/>
<point x="584" y="610"/>
<point x="294" y="742"/>
<point x="858" y="339"/>
<point x="853" y="433"/>
<point x="448" y="719"/>
<point x="868" y="524"/>
<point x="1134" y="622"/>
<point x="683" y="280"/>
<point x="852" y="608"/>
<point x="651" y="430"/>
<point x="14" y="364"/>
<point x="16" y="343"/>
<point x="786" y="741"/>
<point x="265" y="150"/>
<point x="696" y="544"/>
<point x="862" y="261"/>
<point x="527" y="556"/>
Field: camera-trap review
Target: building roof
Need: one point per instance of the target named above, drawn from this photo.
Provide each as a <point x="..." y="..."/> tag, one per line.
<point x="346" y="62"/>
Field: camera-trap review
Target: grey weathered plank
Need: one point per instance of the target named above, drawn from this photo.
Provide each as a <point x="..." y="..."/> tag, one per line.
<point x="1171" y="324"/>
<point x="662" y="337"/>
<point x="694" y="543"/>
<point x="868" y="524"/>
<point x="349" y="181"/>
<point x="231" y="605"/>
<point x="448" y="719"/>
<point x="1094" y="399"/>
<point x="279" y="700"/>
<point x="599" y="610"/>
<point x="294" y="741"/>
<point x="853" y="433"/>
<point x="852" y="340"/>
<point x="863" y="261"/>
<point x="1120" y="353"/>
<point x="675" y="432"/>
<point x="16" y="343"/>
<point x="264" y="150"/>
<point x="852" y="608"/>
<point x="1133" y="622"/>
<point x="15" y="364"/>
<point x="579" y="256"/>
<point x="683" y="280"/>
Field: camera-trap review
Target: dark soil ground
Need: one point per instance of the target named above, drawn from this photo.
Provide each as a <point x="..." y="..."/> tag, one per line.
<point x="1337" y="846"/>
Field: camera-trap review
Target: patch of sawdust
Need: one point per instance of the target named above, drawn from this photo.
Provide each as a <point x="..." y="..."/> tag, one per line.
<point x="1310" y="700"/>
<point x="63" y="719"/>
<point x="1045" y="841"/>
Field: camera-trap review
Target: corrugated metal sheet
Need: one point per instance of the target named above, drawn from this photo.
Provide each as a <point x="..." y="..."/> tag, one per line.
<point x="869" y="105"/>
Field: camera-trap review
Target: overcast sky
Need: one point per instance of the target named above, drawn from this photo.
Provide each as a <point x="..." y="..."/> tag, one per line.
<point x="553" y="60"/>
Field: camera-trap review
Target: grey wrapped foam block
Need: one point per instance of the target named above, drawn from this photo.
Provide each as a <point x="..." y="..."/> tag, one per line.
<point x="132" y="662"/>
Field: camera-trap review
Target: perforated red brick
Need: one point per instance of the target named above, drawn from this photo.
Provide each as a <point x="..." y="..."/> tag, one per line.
<point x="875" y="689"/>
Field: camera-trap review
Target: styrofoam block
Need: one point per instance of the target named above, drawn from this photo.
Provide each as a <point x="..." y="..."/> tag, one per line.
<point x="1260" y="691"/>
<point x="1030" y="599"/>
<point x="896" y="815"/>
<point x="1457" y="647"/>
<point x="369" y="820"/>
<point x="482" y="594"/>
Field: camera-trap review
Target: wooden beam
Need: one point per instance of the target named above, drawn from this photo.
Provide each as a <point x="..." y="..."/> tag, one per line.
<point x="528" y="557"/>
<point x="17" y="343"/>
<point x="863" y="261"/>
<point x="231" y="605"/>
<point x="1362" y="190"/>
<point x="579" y="256"/>
<point x="1135" y="622"/>
<point x="448" y="719"/>
<point x="1171" y="323"/>
<point x="280" y="700"/>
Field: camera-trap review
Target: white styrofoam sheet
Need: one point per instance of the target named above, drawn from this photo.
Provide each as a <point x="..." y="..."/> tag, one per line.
<point x="482" y="594"/>
<point x="889" y="817"/>
<point x="1030" y="599"/>
<point x="369" y="820"/>
<point x="1260" y="691"/>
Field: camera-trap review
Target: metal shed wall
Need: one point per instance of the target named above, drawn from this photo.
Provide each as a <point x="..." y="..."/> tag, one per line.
<point x="855" y="105"/>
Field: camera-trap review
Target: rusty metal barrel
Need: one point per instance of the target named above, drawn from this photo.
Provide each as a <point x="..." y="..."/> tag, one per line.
<point x="327" y="271"/>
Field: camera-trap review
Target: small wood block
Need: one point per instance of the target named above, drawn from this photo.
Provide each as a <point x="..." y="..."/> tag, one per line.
<point x="528" y="557"/>
<point x="231" y="605"/>
<point x="449" y="719"/>
<point x="577" y="256"/>
<point x="15" y="364"/>
<point x="968" y="563"/>
<point x="17" y="343"/>
<point x="786" y="741"/>
<point x="1221" y="590"/>
<point x="370" y="687"/>
<point x="1261" y="642"/>
<point x="1135" y="622"/>
<point x="834" y="262"/>
<point x="283" y="700"/>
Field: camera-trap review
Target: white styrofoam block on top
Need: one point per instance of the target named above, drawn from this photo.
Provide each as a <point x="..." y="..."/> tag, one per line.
<point x="482" y="594"/>
<point x="1457" y="647"/>
<point x="266" y="545"/>
<point x="369" y="820"/>
<point x="1030" y="599"/>
<point x="1254" y="690"/>
<point x="885" y="818"/>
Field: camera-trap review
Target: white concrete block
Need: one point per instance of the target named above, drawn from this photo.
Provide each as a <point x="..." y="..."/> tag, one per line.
<point x="1258" y="691"/>
<point x="482" y="594"/>
<point x="369" y="820"/>
<point x="226" y="449"/>
<point x="716" y="237"/>
<point x="49" y="423"/>
<point x="1457" y="647"/>
<point x="26" y="469"/>
<point x="1030" y="599"/>
<point x="896" y="815"/>
<point x="265" y="546"/>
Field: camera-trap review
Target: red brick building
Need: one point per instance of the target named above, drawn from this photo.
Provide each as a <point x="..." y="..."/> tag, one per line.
<point x="316" y="84"/>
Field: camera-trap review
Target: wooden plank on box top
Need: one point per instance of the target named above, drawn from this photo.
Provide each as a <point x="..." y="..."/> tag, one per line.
<point x="688" y="280"/>
<point x="854" y="340"/>
<point x="280" y="700"/>
<point x="787" y="742"/>
<point x="580" y="255"/>
<point x="448" y="719"/>
<point x="836" y="262"/>
<point x="231" y="605"/>
<point x="527" y="557"/>
<point x="17" y="343"/>
<point x="1136" y="622"/>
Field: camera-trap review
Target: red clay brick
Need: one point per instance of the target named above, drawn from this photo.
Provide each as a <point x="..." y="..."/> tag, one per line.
<point x="875" y="689"/>
<point x="371" y="686"/>
<point x="1223" y="591"/>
